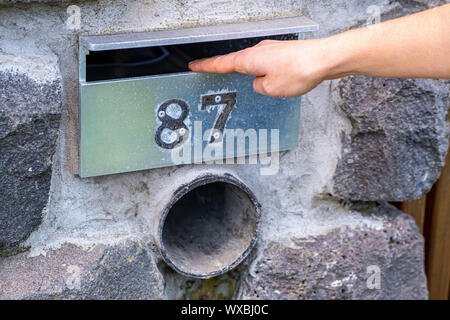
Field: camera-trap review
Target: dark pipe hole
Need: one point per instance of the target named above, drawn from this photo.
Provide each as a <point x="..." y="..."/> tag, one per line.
<point x="209" y="229"/>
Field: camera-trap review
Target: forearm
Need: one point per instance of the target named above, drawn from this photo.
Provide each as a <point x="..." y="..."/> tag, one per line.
<point x="416" y="46"/>
<point x="408" y="47"/>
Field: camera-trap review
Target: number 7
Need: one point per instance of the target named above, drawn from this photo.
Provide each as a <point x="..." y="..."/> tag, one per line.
<point x="229" y="99"/>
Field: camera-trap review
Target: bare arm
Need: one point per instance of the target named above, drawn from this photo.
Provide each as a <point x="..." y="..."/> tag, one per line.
<point x="416" y="46"/>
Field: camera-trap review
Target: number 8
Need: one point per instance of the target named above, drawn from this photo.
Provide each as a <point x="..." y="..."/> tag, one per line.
<point x="174" y="124"/>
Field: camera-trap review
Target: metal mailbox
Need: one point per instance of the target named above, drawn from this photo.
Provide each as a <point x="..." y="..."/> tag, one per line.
<point x="139" y="103"/>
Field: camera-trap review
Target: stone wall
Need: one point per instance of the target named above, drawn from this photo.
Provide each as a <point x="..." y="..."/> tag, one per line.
<point x="325" y="229"/>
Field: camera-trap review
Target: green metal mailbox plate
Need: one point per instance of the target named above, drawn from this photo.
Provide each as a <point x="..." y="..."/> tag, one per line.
<point x="137" y="123"/>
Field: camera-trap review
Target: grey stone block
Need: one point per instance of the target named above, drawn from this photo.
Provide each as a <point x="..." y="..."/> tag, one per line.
<point x="123" y="271"/>
<point x="340" y="264"/>
<point x="29" y="123"/>
<point x="399" y="138"/>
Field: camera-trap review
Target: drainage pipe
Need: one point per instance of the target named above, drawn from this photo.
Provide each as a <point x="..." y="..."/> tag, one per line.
<point x="209" y="225"/>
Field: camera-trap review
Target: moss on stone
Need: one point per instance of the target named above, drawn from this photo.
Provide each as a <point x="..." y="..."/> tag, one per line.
<point x="17" y="251"/>
<point x="217" y="288"/>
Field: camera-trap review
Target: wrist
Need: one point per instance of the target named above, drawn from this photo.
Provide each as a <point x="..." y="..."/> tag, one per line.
<point x="341" y="55"/>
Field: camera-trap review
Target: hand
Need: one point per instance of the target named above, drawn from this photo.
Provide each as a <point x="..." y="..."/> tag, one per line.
<point x="282" y="68"/>
<point x="399" y="48"/>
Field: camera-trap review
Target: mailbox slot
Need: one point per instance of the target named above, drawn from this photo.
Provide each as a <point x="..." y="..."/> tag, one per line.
<point x="159" y="60"/>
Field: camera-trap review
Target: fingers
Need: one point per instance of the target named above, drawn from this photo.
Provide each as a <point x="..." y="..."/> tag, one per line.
<point x="239" y="61"/>
<point x="266" y="42"/>
<point x="273" y="87"/>
<point x="258" y="85"/>
<point x="244" y="61"/>
<point x="218" y="64"/>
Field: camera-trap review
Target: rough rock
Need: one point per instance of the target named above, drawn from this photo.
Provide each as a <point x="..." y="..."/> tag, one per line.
<point x="342" y="264"/>
<point x="123" y="271"/>
<point x="29" y="122"/>
<point x="399" y="138"/>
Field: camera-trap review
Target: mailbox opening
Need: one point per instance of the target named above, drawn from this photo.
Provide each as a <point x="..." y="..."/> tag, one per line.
<point x="158" y="60"/>
<point x="210" y="228"/>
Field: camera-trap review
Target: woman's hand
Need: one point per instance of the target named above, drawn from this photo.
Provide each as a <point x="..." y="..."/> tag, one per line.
<point x="416" y="46"/>
<point x="282" y="68"/>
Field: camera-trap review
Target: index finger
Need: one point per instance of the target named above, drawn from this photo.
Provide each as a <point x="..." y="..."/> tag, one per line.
<point x="243" y="61"/>
<point x="218" y="64"/>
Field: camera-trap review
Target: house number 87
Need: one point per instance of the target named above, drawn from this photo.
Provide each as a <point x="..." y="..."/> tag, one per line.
<point x="177" y="126"/>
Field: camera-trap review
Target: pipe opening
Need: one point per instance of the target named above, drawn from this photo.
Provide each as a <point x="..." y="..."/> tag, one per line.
<point x="210" y="228"/>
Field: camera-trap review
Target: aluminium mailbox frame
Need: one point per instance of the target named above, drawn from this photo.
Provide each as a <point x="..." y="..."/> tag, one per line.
<point x="273" y="27"/>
